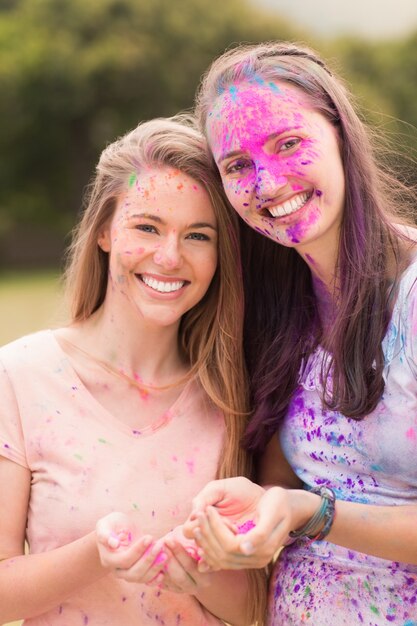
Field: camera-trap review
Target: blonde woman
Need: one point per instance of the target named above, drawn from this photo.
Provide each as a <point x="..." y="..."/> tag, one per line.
<point x="122" y="416"/>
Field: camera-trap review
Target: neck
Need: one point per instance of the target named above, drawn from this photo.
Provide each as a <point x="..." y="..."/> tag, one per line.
<point x="325" y="284"/>
<point x="142" y="352"/>
<point x="322" y="267"/>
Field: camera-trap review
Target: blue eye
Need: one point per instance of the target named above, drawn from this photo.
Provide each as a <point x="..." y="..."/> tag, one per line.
<point x="146" y="228"/>
<point x="198" y="237"/>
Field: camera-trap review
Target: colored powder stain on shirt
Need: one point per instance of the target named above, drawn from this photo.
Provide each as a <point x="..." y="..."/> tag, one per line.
<point x="190" y="466"/>
<point x="376" y="468"/>
<point x="6" y="445"/>
<point x="411" y="434"/>
<point x="374" y="609"/>
<point x="101" y="440"/>
<point x="78" y="456"/>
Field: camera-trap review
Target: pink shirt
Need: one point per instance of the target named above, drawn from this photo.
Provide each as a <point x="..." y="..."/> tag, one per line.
<point x="85" y="463"/>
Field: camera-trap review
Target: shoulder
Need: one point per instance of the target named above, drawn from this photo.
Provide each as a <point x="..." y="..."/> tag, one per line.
<point x="407" y="282"/>
<point x="30" y="349"/>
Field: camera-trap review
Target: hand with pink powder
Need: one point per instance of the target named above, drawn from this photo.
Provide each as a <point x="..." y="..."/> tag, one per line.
<point x="170" y="563"/>
<point x="181" y="573"/>
<point x="238" y="524"/>
<point x="126" y="552"/>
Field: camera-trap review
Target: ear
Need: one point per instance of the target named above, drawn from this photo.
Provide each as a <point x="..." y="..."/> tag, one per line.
<point x="104" y="240"/>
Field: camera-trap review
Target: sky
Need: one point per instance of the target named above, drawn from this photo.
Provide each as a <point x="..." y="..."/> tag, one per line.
<point x="372" y="19"/>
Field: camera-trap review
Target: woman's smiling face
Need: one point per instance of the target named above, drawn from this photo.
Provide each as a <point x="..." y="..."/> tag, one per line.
<point x="162" y="245"/>
<point x="280" y="162"/>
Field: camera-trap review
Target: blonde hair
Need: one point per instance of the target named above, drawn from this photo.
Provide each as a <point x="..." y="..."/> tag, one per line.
<point x="210" y="334"/>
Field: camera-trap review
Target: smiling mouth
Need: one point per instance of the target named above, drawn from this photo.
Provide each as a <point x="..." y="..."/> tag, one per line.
<point x="162" y="286"/>
<point x="289" y="206"/>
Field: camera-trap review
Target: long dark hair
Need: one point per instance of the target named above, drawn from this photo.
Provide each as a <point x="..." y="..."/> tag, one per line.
<point x="282" y="324"/>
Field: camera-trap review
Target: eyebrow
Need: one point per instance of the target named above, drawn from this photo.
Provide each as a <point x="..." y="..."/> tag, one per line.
<point x="156" y="218"/>
<point x="202" y="225"/>
<point x="233" y="153"/>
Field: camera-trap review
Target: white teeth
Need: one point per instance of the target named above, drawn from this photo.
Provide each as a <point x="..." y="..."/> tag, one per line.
<point x="290" y="206"/>
<point x="162" y="286"/>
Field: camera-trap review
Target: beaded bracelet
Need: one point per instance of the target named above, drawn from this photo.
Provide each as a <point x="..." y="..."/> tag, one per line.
<point x="326" y="512"/>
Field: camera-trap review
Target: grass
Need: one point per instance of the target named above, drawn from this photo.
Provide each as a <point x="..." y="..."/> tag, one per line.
<point x="29" y="301"/>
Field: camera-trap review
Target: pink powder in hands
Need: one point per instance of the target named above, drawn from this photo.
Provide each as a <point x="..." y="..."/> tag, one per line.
<point x="244" y="528"/>
<point x="121" y="539"/>
<point x="161" y="557"/>
<point x="193" y="553"/>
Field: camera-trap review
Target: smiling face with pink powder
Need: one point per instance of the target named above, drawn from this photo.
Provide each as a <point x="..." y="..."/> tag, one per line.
<point x="162" y="245"/>
<point x="280" y="164"/>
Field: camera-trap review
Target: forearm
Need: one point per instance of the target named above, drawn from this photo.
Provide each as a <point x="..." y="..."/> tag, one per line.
<point x="33" y="584"/>
<point x="227" y="596"/>
<point x="388" y="532"/>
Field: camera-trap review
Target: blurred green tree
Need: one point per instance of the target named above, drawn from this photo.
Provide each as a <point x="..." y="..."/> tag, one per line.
<point x="76" y="74"/>
<point x="383" y="77"/>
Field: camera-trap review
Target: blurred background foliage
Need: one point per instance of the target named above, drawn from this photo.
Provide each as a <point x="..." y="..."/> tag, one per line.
<point x="74" y="75"/>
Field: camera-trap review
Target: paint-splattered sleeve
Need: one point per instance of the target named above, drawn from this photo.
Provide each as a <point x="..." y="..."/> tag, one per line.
<point x="408" y="326"/>
<point x="11" y="435"/>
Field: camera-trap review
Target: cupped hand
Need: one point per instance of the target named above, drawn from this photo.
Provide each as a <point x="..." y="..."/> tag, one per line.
<point x="235" y="499"/>
<point x="226" y="546"/>
<point x="181" y="574"/>
<point x="127" y="553"/>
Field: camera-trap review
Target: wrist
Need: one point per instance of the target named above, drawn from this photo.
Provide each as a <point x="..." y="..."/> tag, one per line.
<point x="304" y="505"/>
<point x="318" y="525"/>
